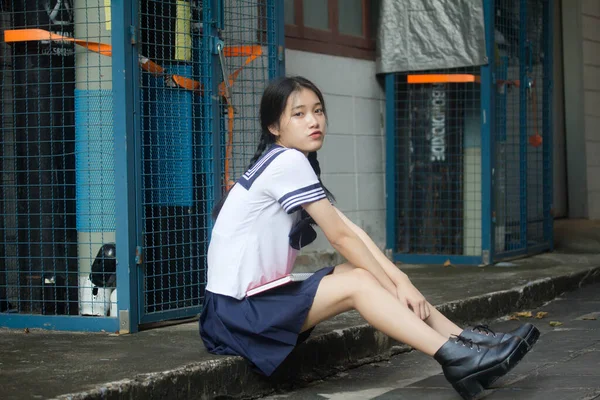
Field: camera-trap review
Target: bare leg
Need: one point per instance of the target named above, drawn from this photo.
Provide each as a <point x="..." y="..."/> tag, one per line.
<point x="358" y="289"/>
<point x="436" y="320"/>
<point x="441" y="324"/>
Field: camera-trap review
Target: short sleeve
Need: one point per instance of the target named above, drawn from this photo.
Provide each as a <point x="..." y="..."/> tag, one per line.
<point x="292" y="181"/>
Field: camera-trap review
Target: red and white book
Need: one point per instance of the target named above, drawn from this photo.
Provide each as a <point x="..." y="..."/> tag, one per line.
<point x="295" y="277"/>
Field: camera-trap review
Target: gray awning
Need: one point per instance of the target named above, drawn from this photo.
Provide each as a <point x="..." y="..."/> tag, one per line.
<point x="418" y="35"/>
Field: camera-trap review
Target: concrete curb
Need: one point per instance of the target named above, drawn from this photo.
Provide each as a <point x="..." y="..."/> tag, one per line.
<point x="323" y="355"/>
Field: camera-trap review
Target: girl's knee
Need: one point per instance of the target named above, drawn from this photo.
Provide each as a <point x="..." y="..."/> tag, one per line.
<point x="364" y="275"/>
<point x="361" y="281"/>
<point x="358" y="273"/>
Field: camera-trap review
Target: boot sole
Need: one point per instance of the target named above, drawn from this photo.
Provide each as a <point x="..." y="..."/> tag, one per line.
<point x="532" y="336"/>
<point x="474" y="385"/>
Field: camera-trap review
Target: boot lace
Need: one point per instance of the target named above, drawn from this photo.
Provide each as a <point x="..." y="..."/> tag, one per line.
<point x="484" y="329"/>
<point x="466" y="342"/>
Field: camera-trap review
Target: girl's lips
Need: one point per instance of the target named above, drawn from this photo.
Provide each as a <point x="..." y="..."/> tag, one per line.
<point x="316" y="134"/>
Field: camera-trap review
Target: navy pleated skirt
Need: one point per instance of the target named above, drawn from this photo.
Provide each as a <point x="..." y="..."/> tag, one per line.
<point x="265" y="328"/>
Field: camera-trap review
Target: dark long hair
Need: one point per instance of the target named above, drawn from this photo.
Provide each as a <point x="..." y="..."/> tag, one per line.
<point x="272" y="106"/>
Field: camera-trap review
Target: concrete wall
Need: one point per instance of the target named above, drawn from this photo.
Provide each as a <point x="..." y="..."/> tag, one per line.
<point x="581" y="35"/>
<point x="352" y="159"/>
<point x="590" y="26"/>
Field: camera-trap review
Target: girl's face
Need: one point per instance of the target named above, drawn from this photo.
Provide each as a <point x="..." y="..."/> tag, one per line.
<point x="302" y="124"/>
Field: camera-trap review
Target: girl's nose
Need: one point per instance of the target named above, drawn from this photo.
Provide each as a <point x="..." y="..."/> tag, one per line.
<point x="312" y="121"/>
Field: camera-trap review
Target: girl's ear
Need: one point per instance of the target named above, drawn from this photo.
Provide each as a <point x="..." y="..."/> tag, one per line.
<point x="274" y="129"/>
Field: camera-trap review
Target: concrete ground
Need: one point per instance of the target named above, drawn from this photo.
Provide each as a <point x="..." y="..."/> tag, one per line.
<point x="171" y="362"/>
<point x="564" y="364"/>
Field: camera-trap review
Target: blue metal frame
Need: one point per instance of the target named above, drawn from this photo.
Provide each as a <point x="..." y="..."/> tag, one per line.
<point x="124" y="69"/>
<point x="548" y="126"/>
<point x="390" y="185"/>
<point x="523" y="77"/>
<point x="212" y="157"/>
<point x="487" y="137"/>
<point x="488" y="143"/>
<point x="437" y="259"/>
<point x="211" y="33"/>
<point x="59" y="323"/>
<point x="125" y="72"/>
<point x="524" y="252"/>
<point x="275" y="32"/>
<point x="390" y="161"/>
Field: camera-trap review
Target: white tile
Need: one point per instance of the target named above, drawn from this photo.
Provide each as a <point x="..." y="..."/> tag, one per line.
<point x="592" y="150"/>
<point x="594" y="205"/>
<point x="590" y="28"/>
<point x="592" y="102"/>
<point x="337" y="155"/>
<point x="368" y="116"/>
<point x="591" y="53"/>
<point x="369" y="154"/>
<point x="591" y="77"/>
<point x="358" y="77"/>
<point x="343" y="188"/>
<point x="339" y="112"/>
<point x="593" y="182"/>
<point x="373" y="223"/>
<point x="592" y="128"/>
<point x="591" y="7"/>
<point x="371" y="192"/>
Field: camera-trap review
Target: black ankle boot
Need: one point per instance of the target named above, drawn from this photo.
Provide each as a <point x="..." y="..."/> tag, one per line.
<point x="471" y="368"/>
<point x="482" y="334"/>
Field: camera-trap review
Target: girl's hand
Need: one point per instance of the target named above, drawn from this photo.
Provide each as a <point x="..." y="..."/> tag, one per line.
<point x="412" y="298"/>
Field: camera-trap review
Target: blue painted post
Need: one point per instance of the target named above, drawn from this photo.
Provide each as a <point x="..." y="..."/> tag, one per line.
<point x="275" y="38"/>
<point x="524" y="48"/>
<point x="390" y="161"/>
<point x="125" y="73"/>
<point x="216" y="16"/>
<point x="548" y="128"/>
<point x="210" y="116"/>
<point x="487" y="137"/>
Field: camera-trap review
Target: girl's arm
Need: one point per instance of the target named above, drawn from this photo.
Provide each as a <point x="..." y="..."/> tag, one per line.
<point x="405" y="291"/>
<point x="394" y="273"/>
<point x="346" y="241"/>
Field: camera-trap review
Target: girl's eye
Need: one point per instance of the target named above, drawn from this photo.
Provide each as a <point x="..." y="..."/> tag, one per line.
<point x="298" y="114"/>
<point x="319" y="111"/>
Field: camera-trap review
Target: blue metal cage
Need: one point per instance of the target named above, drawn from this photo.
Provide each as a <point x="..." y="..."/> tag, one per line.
<point x="469" y="160"/>
<point x="122" y="124"/>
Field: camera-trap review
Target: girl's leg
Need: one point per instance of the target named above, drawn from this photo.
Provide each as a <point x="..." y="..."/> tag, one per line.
<point x="441" y="324"/>
<point x="358" y="289"/>
<point x="436" y="319"/>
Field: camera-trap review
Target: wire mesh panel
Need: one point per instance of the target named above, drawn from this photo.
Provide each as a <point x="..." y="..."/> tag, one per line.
<point x="173" y="127"/>
<point x="202" y="68"/>
<point x="250" y="49"/>
<point x="57" y="227"/>
<point x="195" y="45"/>
<point x="438" y="163"/>
<point x="444" y="176"/>
<point x="508" y="185"/>
<point x="523" y="131"/>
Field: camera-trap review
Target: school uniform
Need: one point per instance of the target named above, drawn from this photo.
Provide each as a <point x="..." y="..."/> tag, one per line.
<point x="255" y="239"/>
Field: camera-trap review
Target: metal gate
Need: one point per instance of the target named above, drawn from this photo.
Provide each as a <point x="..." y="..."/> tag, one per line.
<point x="122" y="123"/>
<point x="199" y="128"/>
<point x="469" y="151"/>
<point x="523" y="136"/>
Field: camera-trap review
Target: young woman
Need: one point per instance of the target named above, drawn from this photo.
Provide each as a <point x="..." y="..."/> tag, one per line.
<point x="266" y="218"/>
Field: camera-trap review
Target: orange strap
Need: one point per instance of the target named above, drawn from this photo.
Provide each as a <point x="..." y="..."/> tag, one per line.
<point x="31" y="35"/>
<point x="251" y="52"/>
<point x="229" y="148"/>
<point x="442" y="78"/>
